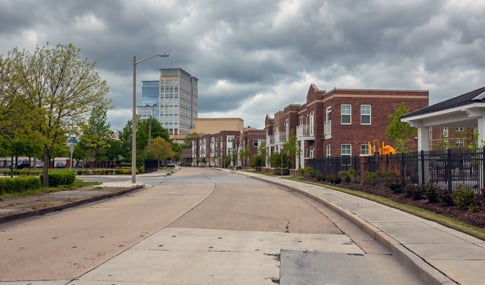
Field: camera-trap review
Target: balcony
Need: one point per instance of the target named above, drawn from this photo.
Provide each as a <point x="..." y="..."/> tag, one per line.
<point x="303" y="132"/>
<point x="327" y="130"/>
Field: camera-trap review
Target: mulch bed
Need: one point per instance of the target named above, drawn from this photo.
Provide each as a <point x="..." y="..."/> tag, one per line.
<point x="473" y="218"/>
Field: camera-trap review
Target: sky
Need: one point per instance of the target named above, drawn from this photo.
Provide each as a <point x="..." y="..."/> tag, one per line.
<point x="253" y="58"/>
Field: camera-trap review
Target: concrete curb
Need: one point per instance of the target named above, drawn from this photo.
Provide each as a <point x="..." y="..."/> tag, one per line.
<point x="424" y="270"/>
<point x="43" y="211"/>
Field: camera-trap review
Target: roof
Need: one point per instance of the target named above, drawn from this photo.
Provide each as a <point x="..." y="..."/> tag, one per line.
<point x="475" y="96"/>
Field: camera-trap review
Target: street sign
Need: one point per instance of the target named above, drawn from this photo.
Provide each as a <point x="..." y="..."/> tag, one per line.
<point x="72" y="140"/>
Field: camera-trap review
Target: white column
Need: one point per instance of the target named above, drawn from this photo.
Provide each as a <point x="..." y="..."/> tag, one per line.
<point x="423" y="145"/>
<point x="301" y="158"/>
<point x="481" y="140"/>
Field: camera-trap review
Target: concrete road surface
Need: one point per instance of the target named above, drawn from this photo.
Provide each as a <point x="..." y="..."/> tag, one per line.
<point x="199" y="226"/>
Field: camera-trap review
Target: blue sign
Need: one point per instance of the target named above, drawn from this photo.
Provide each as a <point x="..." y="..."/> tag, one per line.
<point x="72" y="140"/>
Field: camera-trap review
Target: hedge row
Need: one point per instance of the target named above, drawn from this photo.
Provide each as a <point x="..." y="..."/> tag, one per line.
<point x="118" y="171"/>
<point x="59" y="177"/>
<point x="25" y="183"/>
<point x="19" y="184"/>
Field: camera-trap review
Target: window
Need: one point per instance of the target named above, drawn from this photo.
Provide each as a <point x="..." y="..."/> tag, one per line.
<point x="460" y="142"/>
<point x="345" y="154"/>
<point x="230" y="139"/>
<point x="345" y="150"/>
<point x="445" y="132"/>
<point x="365" y="114"/>
<point x="255" y="142"/>
<point x="345" y="113"/>
<point x="329" y="114"/>
<point x="312" y="152"/>
<point x="329" y="150"/>
<point x="364" y="149"/>
<point x="459" y="129"/>
<point x="312" y="123"/>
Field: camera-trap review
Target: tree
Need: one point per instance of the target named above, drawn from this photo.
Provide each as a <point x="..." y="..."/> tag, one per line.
<point x="142" y="134"/>
<point x="398" y="131"/>
<point x="54" y="90"/>
<point x="96" y="134"/>
<point x="160" y="149"/>
<point x="291" y="147"/>
<point x="244" y="155"/>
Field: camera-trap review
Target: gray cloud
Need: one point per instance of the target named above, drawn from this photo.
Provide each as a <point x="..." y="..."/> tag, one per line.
<point x="254" y="57"/>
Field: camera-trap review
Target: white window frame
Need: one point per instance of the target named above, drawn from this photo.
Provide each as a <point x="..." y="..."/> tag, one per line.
<point x="312" y="123"/>
<point x="362" y="114"/>
<point x="342" y="149"/>
<point x="329" y="150"/>
<point x="312" y="152"/>
<point x="445" y="132"/>
<point x="363" y="147"/>
<point x="460" y="142"/>
<point x="342" y="114"/>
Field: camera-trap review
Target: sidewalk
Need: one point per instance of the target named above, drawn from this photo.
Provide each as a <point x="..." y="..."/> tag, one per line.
<point x="23" y="207"/>
<point x="438" y="254"/>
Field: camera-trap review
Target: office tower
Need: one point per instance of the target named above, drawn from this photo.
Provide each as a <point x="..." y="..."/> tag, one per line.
<point x="172" y="100"/>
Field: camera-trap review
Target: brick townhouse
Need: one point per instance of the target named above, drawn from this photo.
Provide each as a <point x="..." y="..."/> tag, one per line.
<point x="251" y="139"/>
<point x="340" y="122"/>
<point x="215" y="149"/>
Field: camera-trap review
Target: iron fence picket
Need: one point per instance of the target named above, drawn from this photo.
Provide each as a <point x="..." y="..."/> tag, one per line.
<point x="447" y="169"/>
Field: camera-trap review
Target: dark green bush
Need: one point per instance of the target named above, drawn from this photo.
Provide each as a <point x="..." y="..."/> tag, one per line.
<point x="432" y="192"/>
<point x="19" y="184"/>
<point x="396" y="186"/>
<point x="445" y="197"/>
<point x="345" y="176"/>
<point x="371" y="178"/>
<point x="309" y="172"/>
<point x="415" y="192"/>
<point x="60" y="177"/>
<point x="464" y="197"/>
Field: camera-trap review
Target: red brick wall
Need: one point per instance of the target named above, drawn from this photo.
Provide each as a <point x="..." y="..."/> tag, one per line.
<point x="383" y="103"/>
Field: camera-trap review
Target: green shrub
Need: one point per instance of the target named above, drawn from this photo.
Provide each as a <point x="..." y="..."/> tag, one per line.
<point x="415" y="192"/>
<point x="445" y="197"/>
<point x="308" y="171"/>
<point x="432" y="192"/>
<point x="345" y="176"/>
<point x="464" y="197"/>
<point x="19" y="184"/>
<point x="60" y="177"/>
<point x="371" y="178"/>
<point x="396" y="186"/>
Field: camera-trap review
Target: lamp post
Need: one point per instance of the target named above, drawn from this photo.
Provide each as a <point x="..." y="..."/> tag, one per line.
<point x="133" y="127"/>
<point x="150" y="124"/>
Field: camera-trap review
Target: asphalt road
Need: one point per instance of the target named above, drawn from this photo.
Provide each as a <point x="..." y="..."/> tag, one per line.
<point x="198" y="226"/>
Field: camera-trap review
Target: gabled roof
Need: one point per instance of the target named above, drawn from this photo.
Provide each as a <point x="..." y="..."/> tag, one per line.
<point x="475" y="96"/>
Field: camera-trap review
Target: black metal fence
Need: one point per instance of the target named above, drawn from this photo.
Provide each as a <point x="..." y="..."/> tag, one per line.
<point x="447" y="169"/>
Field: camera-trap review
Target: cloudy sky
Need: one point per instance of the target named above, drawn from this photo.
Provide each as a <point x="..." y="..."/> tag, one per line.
<point x="255" y="57"/>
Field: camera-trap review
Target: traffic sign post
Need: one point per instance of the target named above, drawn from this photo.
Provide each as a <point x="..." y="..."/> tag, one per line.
<point x="72" y="141"/>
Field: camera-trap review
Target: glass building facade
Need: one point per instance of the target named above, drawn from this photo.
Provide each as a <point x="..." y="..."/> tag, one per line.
<point x="173" y="100"/>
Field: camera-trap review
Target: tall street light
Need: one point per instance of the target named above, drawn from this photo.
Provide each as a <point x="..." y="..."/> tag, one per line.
<point x="133" y="130"/>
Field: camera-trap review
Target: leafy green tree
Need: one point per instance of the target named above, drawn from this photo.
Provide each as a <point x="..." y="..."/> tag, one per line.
<point x="55" y="91"/>
<point x="244" y="155"/>
<point x="96" y="134"/>
<point x="143" y="131"/>
<point x="280" y="159"/>
<point x="400" y="132"/>
<point x="160" y="149"/>
<point x="291" y="148"/>
<point x="257" y="162"/>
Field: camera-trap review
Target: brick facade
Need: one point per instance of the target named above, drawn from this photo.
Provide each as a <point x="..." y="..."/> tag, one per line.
<point x="321" y="128"/>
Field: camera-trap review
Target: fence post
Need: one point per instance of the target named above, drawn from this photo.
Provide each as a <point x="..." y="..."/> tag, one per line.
<point x="482" y="176"/>
<point x="403" y="165"/>
<point x="422" y="168"/>
<point x="448" y="175"/>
